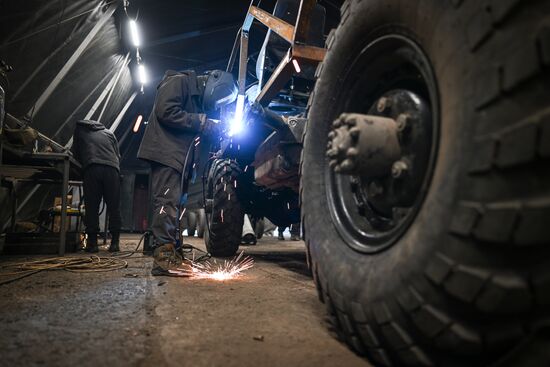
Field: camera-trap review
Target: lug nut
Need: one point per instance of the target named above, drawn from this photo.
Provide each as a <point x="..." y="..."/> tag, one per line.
<point x="347" y="165"/>
<point x="332" y="153"/>
<point x="352" y="152"/>
<point x="402" y="121"/>
<point x="383" y="104"/>
<point x="351" y="122"/>
<point x="399" y="168"/>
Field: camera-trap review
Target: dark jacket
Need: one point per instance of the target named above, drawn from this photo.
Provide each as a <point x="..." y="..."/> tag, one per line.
<point x="95" y="144"/>
<point x="175" y="120"/>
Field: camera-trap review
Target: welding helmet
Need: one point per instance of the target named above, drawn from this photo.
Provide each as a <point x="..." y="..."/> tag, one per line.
<point x="219" y="90"/>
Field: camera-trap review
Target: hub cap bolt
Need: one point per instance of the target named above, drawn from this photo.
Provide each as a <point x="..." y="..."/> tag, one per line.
<point x="383" y="105"/>
<point x="399" y="168"/>
<point x="402" y="121"/>
<point x="352" y="152"/>
<point x="347" y="165"/>
<point x="332" y="153"/>
<point x="351" y="122"/>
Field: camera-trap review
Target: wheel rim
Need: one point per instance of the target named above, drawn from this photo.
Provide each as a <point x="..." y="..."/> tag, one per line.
<point x="395" y="80"/>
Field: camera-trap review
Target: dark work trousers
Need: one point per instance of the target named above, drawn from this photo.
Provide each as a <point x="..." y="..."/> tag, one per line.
<point x="167" y="191"/>
<point x="101" y="181"/>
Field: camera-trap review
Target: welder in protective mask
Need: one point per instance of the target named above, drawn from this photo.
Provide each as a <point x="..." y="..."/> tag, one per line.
<point x="180" y="116"/>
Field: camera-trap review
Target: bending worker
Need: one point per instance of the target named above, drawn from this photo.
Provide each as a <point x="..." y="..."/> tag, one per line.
<point x="96" y="148"/>
<point x="179" y="117"/>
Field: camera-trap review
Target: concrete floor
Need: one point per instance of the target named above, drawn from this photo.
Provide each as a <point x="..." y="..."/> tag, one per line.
<point x="269" y="317"/>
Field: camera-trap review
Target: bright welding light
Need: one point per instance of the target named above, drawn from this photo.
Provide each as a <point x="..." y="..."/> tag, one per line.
<point x="134" y="33"/>
<point x="296" y="66"/>
<point x="229" y="269"/>
<point x="142" y="74"/>
<point x="137" y="124"/>
<point x="236" y="124"/>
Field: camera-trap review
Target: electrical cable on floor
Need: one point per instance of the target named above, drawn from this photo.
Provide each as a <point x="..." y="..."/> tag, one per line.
<point x="79" y="264"/>
<point x="125" y="254"/>
<point x="87" y="264"/>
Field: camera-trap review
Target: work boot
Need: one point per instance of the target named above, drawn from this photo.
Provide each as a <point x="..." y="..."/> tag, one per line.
<point x="91" y="243"/>
<point x="166" y="258"/>
<point x="115" y="242"/>
<point x="249" y="239"/>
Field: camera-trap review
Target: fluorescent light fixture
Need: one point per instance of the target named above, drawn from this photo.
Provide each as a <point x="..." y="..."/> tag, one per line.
<point x="236" y="124"/>
<point x="134" y="33"/>
<point x="142" y="74"/>
<point x="137" y="124"/>
<point x="296" y="66"/>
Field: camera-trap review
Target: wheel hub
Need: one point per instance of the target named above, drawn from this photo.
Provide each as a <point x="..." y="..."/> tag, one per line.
<point x="386" y="154"/>
<point x="363" y="145"/>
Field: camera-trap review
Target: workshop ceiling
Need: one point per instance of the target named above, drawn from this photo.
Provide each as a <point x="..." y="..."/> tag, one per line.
<point x="188" y="34"/>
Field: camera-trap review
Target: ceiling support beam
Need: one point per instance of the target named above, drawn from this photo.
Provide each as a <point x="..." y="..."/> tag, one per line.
<point x="189" y="35"/>
<point x="72" y="60"/>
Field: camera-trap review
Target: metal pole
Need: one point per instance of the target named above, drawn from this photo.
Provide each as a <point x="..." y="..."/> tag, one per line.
<point x="72" y="60"/>
<point x="14" y="206"/>
<point x="2" y="114"/>
<point x="122" y="67"/>
<point x="120" y="116"/>
<point x="233" y="55"/>
<point x="243" y="62"/>
<point x="64" y="191"/>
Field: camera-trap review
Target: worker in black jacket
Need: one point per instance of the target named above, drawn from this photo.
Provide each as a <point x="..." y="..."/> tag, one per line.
<point x="96" y="148"/>
<point x="178" y="119"/>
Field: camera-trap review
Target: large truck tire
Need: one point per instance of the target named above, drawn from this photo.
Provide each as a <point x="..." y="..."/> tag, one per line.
<point x="201" y="223"/>
<point x="464" y="278"/>
<point x="226" y="216"/>
<point x="191" y="223"/>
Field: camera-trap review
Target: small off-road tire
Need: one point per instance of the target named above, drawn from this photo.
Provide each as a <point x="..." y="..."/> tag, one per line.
<point x="191" y="224"/>
<point x="468" y="283"/>
<point x="227" y="216"/>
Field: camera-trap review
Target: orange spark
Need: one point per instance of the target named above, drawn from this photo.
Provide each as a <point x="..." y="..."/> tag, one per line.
<point x="217" y="271"/>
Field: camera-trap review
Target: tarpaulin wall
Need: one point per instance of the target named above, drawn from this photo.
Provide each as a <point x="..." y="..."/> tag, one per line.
<point x="64" y="53"/>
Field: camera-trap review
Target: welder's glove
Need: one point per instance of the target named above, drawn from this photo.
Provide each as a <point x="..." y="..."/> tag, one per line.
<point x="211" y="128"/>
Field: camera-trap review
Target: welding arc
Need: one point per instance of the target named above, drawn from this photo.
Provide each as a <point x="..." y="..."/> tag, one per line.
<point x="91" y="264"/>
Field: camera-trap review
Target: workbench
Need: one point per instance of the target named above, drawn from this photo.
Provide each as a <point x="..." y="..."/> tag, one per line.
<point x="41" y="168"/>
